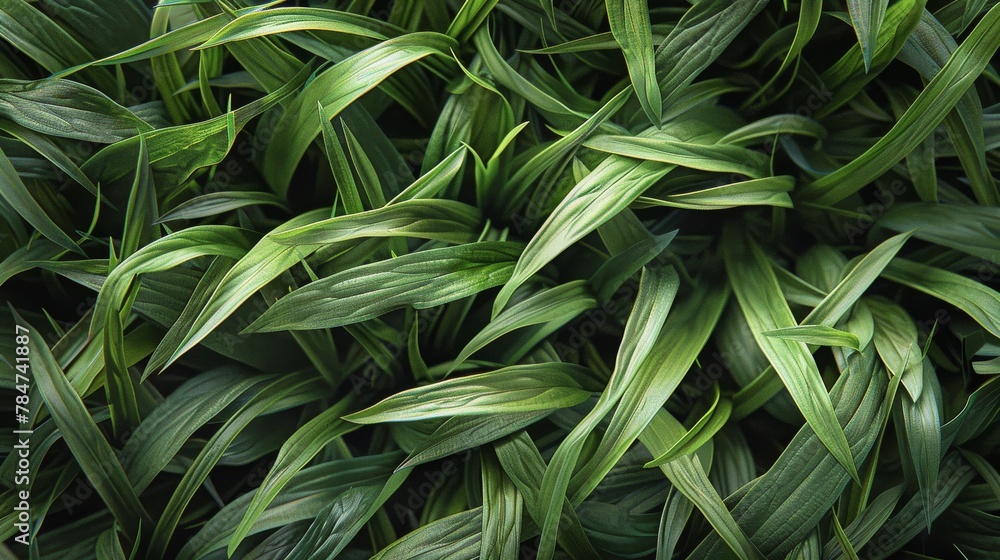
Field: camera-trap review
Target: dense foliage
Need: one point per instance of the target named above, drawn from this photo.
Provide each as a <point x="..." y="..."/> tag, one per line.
<point x="500" y="279"/>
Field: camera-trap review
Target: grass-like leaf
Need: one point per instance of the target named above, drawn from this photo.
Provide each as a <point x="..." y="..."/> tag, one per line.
<point x="757" y="290"/>
<point x="423" y="279"/>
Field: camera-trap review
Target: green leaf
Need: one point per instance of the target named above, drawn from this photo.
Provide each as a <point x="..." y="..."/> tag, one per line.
<point x="976" y="299"/>
<point x="783" y="506"/>
<point x="502" y="505"/>
<point x="84" y="438"/>
<point x="513" y="389"/>
<point x="174" y="40"/>
<point x="688" y="475"/>
<point x="556" y="154"/>
<point x="857" y="280"/>
<point x="544" y="98"/>
<point x="460" y="433"/>
<point x="120" y="387"/>
<point x="423" y="279"/>
<point x="552" y="308"/>
<point x="632" y="248"/>
<point x="676" y="512"/>
<point x="109" y="546"/>
<point x="286" y="20"/>
<point x="304" y="499"/>
<point x="972" y="420"/>
<point x="190" y="407"/>
<point x="347" y="187"/>
<point x="767" y="191"/>
<point x="685" y="334"/>
<point x="987" y="367"/>
<point x="168" y="77"/>
<point x="922" y="428"/>
<point x="444" y="220"/>
<point x="975" y="231"/>
<point x="927" y="50"/>
<point x="907" y="523"/>
<point x="339" y="522"/>
<point x="17" y="195"/>
<point x="164" y="254"/>
<point x="848" y="76"/>
<point x="920" y="120"/>
<point x="213" y="204"/>
<point x="818" y="335"/>
<point x="607" y="190"/>
<point x="285" y="257"/>
<point x="287" y="391"/>
<point x="666" y="148"/>
<point x="335" y="89"/>
<point x="985" y="470"/>
<point x="363" y="166"/>
<point x="629" y="21"/>
<point x="21" y="260"/>
<point x="701" y="432"/>
<point x="33" y="33"/>
<point x="810" y="13"/>
<point x="895" y="338"/>
<point x="141" y="213"/>
<point x="256" y="267"/>
<point x="469" y="18"/>
<point x="656" y="294"/>
<point x="455" y="536"/>
<point x="297" y="451"/>
<point x="177" y="152"/>
<point x="757" y="290"/>
<point x="698" y="38"/>
<point x="67" y="109"/>
<point x="867" y="16"/>
<point x="51" y="151"/>
<point x="435" y="180"/>
<point x="775" y="124"/>
<point x="524" y="465"/>
<point x="184" y="320"/>
<point x="920" y="162"/>
<point x="861" y="530"/>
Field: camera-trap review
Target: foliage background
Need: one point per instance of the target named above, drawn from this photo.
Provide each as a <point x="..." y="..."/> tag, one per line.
<point x="502" y="279"/>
